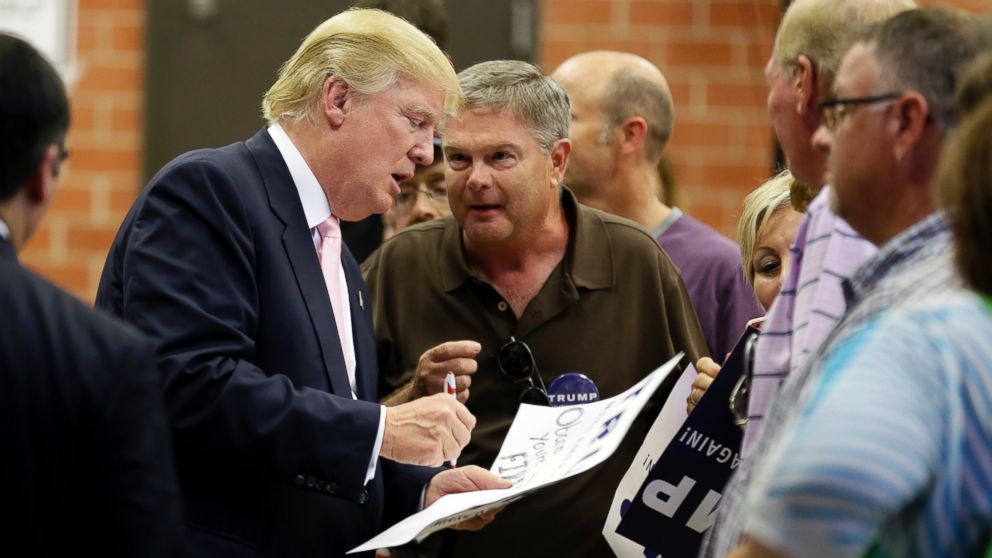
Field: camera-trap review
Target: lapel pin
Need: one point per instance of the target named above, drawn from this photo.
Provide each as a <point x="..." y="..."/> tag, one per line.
<point x="361" y="304"/>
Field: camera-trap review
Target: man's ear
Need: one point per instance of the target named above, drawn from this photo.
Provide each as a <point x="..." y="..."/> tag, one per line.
<point x="335" y="100"/>
<point x="634" y="130"/>
<point x="41" y="183"/>
<point x="559" y="159"/>
<point x="805" y="86"/>
<point x="911" y="117"/>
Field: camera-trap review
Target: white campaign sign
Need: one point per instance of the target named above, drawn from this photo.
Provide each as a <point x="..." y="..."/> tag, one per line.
<point x="664" y="429"/>
<point x="543" y="446"/>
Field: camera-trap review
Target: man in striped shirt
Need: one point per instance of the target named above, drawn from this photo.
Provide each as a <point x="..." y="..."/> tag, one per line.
<point x="893" y="105"/>
<point x="808" y="49"/>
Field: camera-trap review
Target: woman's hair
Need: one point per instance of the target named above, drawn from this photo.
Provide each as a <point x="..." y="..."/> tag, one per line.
<point x="965" y="178"/>
<point x="759" y="206"/>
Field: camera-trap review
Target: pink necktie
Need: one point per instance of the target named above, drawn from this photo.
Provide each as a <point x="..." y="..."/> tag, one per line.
<point x="330" y="264"/>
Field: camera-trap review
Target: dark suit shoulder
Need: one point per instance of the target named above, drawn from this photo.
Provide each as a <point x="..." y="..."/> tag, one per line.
<point x="43" y="313"/>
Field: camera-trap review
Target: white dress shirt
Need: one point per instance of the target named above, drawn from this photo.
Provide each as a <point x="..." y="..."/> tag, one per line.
<point x="316" y="209"/>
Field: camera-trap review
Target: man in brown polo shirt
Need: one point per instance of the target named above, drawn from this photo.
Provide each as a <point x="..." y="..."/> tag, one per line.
<point x="519" y="257"/>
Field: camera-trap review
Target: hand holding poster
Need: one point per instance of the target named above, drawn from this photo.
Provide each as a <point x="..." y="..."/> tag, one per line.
<point x="678" y="499"/>
<point x="543" y="446"/>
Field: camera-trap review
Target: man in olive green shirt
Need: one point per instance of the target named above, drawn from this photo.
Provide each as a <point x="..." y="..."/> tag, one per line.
<point x="519" y="257"/>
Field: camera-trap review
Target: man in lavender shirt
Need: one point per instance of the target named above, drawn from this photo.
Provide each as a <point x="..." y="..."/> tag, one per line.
<point x="808" y="47"/>
<point x="622" y="118"/>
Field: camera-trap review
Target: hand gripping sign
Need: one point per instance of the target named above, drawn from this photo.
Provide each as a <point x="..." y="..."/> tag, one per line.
<point x="543" y="446"/>
<point x="686" y="472"/>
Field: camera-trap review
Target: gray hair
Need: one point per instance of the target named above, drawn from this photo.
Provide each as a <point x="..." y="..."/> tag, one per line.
<point x="628" y="94"/>
<point x="823" y="29"/>
<point x="927" y="50"/>
<point x="520" y="88"/>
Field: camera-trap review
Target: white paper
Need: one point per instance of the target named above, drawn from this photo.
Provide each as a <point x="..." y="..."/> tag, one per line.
<point x="543" y="446"/>
<point x="664" y="429"/>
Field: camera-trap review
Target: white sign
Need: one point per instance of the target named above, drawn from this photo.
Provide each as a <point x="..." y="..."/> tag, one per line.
<point x="543" y="446"/>
<point x="664" y="429"/>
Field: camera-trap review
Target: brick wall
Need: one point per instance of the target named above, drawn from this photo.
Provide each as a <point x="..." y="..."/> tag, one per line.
<point x="103" y="174"/>
<point x="713" y="52"/>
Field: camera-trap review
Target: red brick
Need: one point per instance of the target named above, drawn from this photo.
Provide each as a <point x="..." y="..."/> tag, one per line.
<point x="697" y="54"/>
<point x="716" y="174"/>
<point x="86" y="38"/>
<point x="685" y="173"/>
<point x="556" y="52"/>
<point x="758" y="53"/>
<point x="105" y="78"/>
<point x="579" y="11"/>
<point x="681" y="93"/>
<point x="94" y="5"/>
<point x="41" y="241"/>
<point x="746" y="14"/>
<point x="759" y="136"/>
<point x="92" y="238"/>
<point x="734" y="95"/>
<point x="83" y="119"/>
<point x="124" y="119"/>
<point x="129" y="38"/>
<point x="646" y="12"/>
<point x="120" y="201"/>
<point x="71" y="200"/>
<point x="96" y="159"/>
<point x="701" y="134"/>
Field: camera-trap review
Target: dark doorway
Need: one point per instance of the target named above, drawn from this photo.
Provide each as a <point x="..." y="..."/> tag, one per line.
<point x="210" y="61"/>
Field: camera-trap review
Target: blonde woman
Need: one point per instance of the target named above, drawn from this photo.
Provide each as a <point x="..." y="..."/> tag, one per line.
<point x="765" y="232"/>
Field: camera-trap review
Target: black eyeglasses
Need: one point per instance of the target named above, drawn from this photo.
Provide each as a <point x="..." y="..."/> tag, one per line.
<point x="516" y="361"/>
<point x="833" y="111"/>
<point x="63" y="154"/>
<point x="741" y="393"/>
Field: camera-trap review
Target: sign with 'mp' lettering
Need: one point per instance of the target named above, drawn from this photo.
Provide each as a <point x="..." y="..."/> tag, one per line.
<point x="678" y="499"/>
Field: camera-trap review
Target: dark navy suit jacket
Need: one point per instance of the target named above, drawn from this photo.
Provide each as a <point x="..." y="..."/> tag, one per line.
<point x="86" y="464"/>
<point x="216" y="262"/>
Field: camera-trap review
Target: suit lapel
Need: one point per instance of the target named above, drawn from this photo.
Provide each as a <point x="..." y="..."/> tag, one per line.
<point x="285" y="203"/>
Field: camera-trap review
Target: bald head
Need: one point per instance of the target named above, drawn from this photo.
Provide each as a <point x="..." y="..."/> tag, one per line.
<point x="622" y="85"/>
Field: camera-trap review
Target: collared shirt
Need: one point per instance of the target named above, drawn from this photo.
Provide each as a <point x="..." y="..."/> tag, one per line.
<point x="915" y="265"/>
<point x="890" y="449"/>
<point x="317" y="210"/>
<point x="4" y="230"/>
<point x="614" y="309"/>
<point x="825" y="252"/>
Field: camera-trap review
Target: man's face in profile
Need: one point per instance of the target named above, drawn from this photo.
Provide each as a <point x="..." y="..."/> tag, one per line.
<point x="422" y="198"/>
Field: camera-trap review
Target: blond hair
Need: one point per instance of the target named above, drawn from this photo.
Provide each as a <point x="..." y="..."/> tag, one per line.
<point x="759" y="206"/>
<point x="824" y="29"/>
<point x="369" y="50"/>
<point x="965" y="174"/>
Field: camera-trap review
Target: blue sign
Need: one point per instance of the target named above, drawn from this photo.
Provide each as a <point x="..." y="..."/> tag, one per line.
<point x="679" y="497"/>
